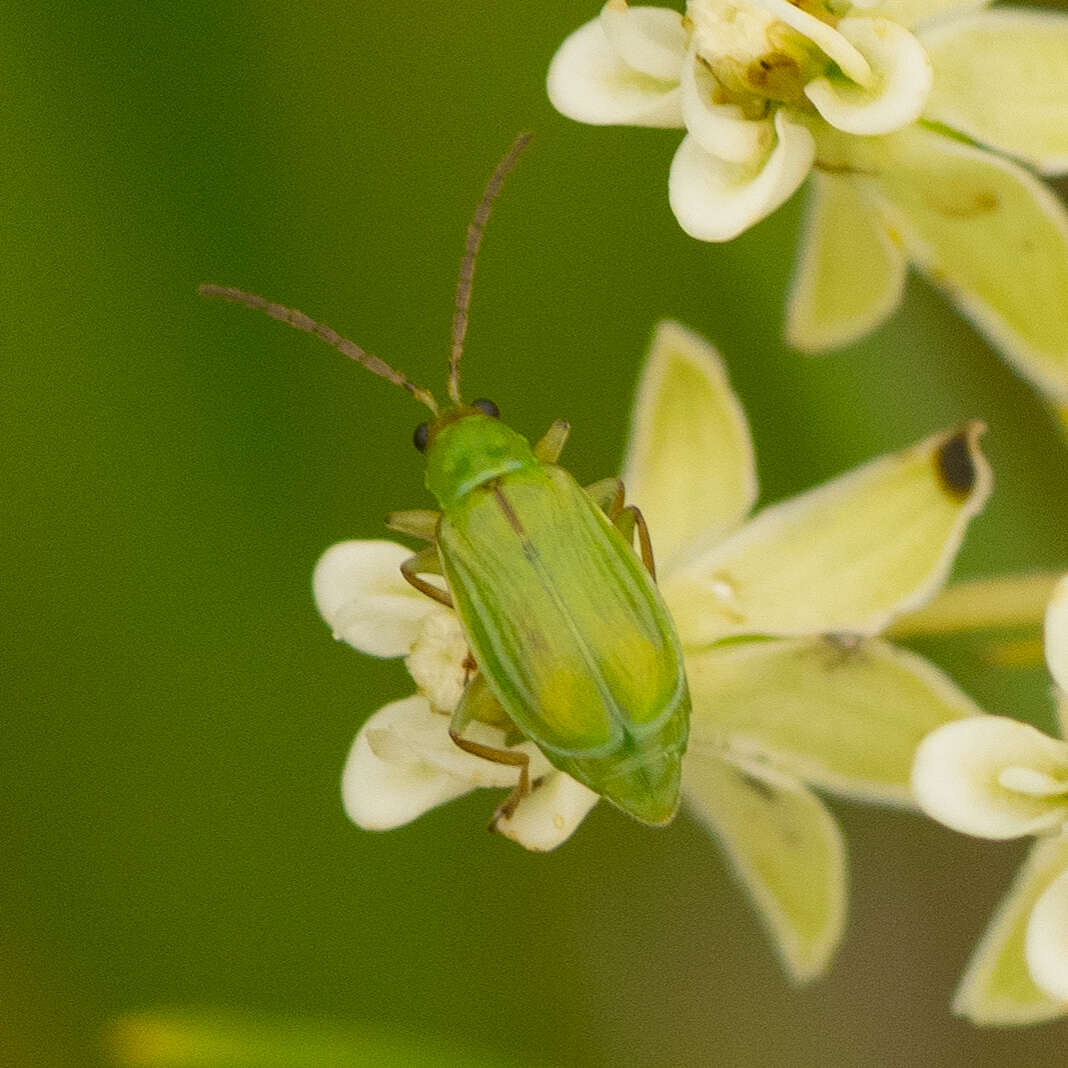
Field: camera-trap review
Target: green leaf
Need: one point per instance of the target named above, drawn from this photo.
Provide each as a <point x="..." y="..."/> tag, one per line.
<point x="850" y="274"/>
<point x="785" y="848"/>
<point x="842" y="716"/>
<point x="213" y="1038"/>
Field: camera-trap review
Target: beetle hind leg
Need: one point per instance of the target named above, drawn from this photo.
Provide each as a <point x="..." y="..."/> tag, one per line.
<point x="475" y="697"/>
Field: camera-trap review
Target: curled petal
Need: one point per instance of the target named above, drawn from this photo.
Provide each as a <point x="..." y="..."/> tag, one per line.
<point x="549" y="815"/>
<point x="997" y="987"/>
<point x="899" y="87"/>
<point x="650" y="40"/>
<point x="840" y="714"/>
<point x="689" y="463"/>
<point x="785" y="848"/>
<point x="1057" y="635"/>
<point x="1001" y="79"/>
<point x="589" y="82"/>
<point x="714" y="200"/>
<point x="993" y="236"/>
<point x="362" y="595"/>
<point x="832" y="43"/>
<point x="1047" y="940"/>
<point x="722" y="130"/>
<point x="850" y="275"/>
<point x="846" y="557"/>
<point x="385" y="785"/>
<point x="993" y="777"/>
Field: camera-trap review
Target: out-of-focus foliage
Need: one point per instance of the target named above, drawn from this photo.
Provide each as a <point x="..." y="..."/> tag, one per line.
<point x="176" y="716"/>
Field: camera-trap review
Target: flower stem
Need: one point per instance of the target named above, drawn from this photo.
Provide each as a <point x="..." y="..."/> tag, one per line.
<point x="981" y="604"/>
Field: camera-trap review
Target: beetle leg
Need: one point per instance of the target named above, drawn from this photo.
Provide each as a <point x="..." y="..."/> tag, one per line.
<point x="552" y="444"/>
<point x="460" y="718"/>
<point x="426" y="562"/>
<point x="607" y="494"/>
<point x="416" y="523"/>
<point x="630" y="519"/>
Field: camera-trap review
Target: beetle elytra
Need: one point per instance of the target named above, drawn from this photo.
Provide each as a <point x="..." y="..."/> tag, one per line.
<point x="571" y="641"/>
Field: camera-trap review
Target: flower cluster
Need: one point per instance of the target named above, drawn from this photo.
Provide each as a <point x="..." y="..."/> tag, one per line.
<point x="922" y="120"/>
<point x="999" y="778"/>
<point x="778" y="615"/>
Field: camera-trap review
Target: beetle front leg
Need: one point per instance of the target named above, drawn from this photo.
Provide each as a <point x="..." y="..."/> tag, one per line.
<point x="552" y="444"/>
<point x="426" y="562"/>
<point x="419" y="523"/>
<point x="464" y="714"/>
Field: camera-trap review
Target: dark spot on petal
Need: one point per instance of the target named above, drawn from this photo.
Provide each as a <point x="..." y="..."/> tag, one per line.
<point x="956" y="468"/>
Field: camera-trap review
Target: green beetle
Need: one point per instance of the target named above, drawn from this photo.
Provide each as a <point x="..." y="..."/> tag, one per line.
<point x="571" y="642"/>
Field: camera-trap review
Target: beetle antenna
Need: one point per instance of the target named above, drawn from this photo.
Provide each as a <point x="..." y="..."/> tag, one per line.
<point x="301" y="321"/>
<point x="467" y="268"/>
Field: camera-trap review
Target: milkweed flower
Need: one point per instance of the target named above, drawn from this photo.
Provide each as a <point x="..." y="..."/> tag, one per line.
<point x="778" y="615"/>
<point x="922" y="122"/>
<point x="999" y="778"/>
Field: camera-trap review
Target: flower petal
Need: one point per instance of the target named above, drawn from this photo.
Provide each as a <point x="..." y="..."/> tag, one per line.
<point x="1057" y="635"/>
<point x="901" y="80"/>
<point x="842" y="716"/>
<point x="722" y="130"/>
<point x="850" y="275"/>
<point x="714" y="200"/>
<point x="362" y="595"/>
<point x="993" y="777"/>
<point x="1046" y="945"/>
<point x="785" y="848"/>
<point x="997" y="987"/>
<point x="403" y="763"/>
<point x="845" y="557"/>
<point x="1001" y="78"/>
<point x="590" y="83"/>
<point x="437" y="662"/>
<point x="994" y="237"/>
<point x="834" y="44"/>
<point x="689" y="463"/>
<point x="381" y="791"/>
<point x="914" y="12"/>
<point x="650" y="40"/>
<point x="549" y="815"/>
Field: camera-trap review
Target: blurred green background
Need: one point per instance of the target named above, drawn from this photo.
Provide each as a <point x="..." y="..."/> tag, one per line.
<point x="177" y="715"/>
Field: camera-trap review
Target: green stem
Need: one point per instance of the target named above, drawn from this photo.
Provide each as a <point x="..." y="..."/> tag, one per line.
<point x="981" y="604"/>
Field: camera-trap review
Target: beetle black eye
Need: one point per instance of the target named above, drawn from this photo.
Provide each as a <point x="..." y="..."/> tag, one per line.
<point x="486" y="406"/>
<point x="421" y="435"/>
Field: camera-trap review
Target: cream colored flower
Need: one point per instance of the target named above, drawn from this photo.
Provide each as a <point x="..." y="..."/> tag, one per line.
<point x="778" y="615"/>
<point x="999" y="778"/>
<point x="911" y="113"/>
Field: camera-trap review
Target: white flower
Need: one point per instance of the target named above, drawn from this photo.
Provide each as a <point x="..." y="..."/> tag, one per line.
<point x="909" y="111"/>
<point x="999" y="778"/>
<point x="778" y="616"/>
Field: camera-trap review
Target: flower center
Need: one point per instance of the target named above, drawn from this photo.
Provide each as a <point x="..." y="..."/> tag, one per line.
<point x="754" y="56"/>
